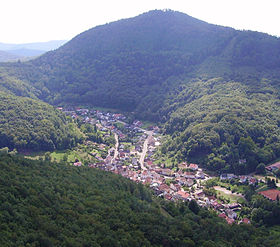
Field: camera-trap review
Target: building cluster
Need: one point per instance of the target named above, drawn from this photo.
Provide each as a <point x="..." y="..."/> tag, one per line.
<point x="181" y="183"/>
<point x="243" y="179"/>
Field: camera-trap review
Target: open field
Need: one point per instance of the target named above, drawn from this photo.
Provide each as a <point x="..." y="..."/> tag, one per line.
<point x="227" y="194"/>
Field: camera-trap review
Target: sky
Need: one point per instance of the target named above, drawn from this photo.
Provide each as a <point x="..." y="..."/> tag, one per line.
<point x="25" y="21"/>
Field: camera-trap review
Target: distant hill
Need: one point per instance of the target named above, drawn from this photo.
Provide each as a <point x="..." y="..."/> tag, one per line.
<point x="8" y="56"/>
<point x="43" y="46"/>
<point x="213" y="88"/>
<point x="31" y="49"/>
<point x="26" y="52"/>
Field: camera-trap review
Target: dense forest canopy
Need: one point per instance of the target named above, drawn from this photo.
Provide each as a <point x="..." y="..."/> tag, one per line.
<point x="210" y="86"/>
<point x="14" y="86"/>
<point x="227" y="122"/>
<point x="44" y="204"/>
<point x="28" y="124"/>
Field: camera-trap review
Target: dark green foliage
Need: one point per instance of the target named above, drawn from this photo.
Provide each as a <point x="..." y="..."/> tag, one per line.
<point x="193" y="206"/>
<point x="271" y="183"/>
<point x="265" y="212"/>
<point x="44" y="204"/>
<point x="260" y="169"/>
<point x="28" y="124"/>
<point x="14" y="86"/>
<point x="233" y="128"/>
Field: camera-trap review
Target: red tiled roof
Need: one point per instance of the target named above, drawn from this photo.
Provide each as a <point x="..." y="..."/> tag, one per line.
<point x="222" y="215"/>
<point x="271" y="194"/>
<point x="229" y="220"/>
<point x="168" y="197"/>
<point x="183" y="194"/>
<point x="246" y="221"/>
<point x="193" y="166"/>
<point x="276" y="165"/>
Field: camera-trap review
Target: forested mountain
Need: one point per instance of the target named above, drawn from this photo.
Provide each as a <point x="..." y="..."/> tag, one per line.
<point x="45" y="204"/>
<point x="212" y="87"/>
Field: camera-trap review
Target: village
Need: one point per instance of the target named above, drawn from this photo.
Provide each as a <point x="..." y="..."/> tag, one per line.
<point x="132" y="157"/>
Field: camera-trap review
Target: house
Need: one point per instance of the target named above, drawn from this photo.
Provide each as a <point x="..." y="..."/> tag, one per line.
<point x="149" y="163"/>
<point x="190" y="175"/>
<point x="147" y="181"/>
<point x="200" y="175"/>
<point x="272" y="194"/>
<point x="183" y="165"/>
<point x="151" y="141"/>
<point x="273" y="167"/>
<point x="178" y="174"/>
<point x="164" y="188"/>
<point x="193" y="167"/>
<point x="252" y="181"/>
<point x="243" y="179"/>
<point x="181" y="181"/>
<point x="77" y="164"/>
<point x="122" y="155"/>
<point x="178" y="187"/>
<point x="229" y="176"/>
<point x="182" y="195"/>
<point x="223" y="176"/>
<point x="222" y="215"/>
<point x="216" y="205"/>
<point x="145" y="174"/>
<point x="189" y="182"/>
<point x="200" y="195"/>
<point x="242" y="161"/>
<point x="173" y="187"/>
<point x="167" y="172"/>
<point x="245" y="221"/>
<point x="230" y="221"/>
<point x="231" y="214"/>
<point x="154" y="185"/>
<point x="168" y="197"/>
<point x="233" y="205"/>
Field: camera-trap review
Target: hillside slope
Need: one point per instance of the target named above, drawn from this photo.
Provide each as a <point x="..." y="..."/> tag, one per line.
<point x="28" y="124"/>
<point x="43" y="204"/>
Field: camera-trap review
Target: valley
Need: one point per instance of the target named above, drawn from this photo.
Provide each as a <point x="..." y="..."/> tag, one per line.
<point x="133" y="153"/>
<point x="157" y="130"/>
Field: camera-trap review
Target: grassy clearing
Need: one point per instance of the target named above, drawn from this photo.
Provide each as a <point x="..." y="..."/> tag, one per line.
<point x="119" y="125"/>
<point x="147" y="124"/>
<point x="231" y="197"/>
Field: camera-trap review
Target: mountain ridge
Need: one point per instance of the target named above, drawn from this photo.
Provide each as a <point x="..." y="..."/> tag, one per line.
<point x="30" y="49"/>
<point x="46" y="46"/>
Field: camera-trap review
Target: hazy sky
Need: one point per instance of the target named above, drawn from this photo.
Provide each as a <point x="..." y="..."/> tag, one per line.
<point x="24" y="21"/>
